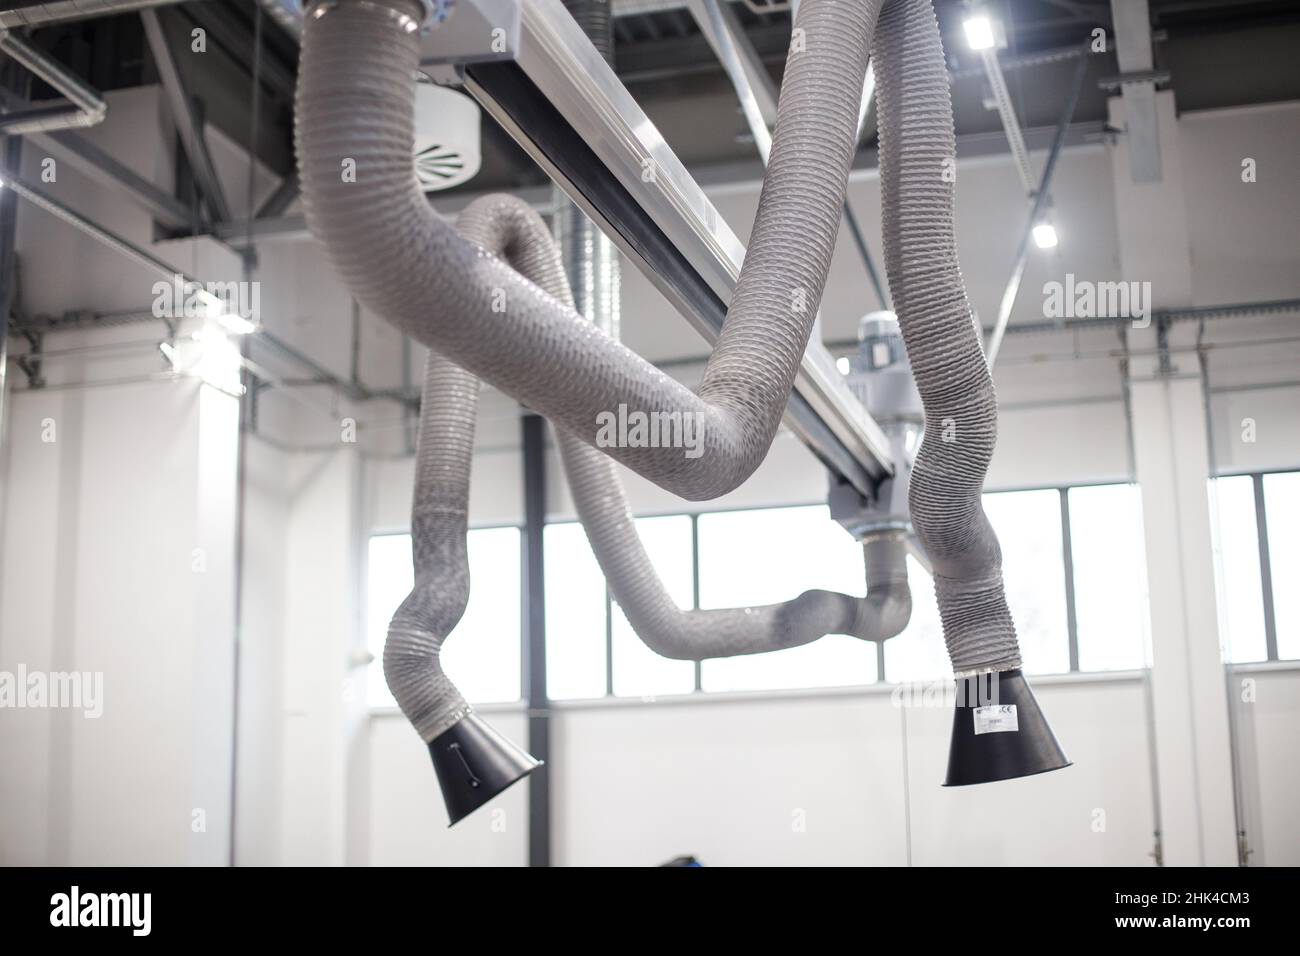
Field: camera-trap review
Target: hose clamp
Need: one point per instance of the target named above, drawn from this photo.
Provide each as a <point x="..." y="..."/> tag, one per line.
<point x="435" y="14"/>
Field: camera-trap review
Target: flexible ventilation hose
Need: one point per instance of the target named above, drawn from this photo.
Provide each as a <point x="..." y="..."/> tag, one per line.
<point x="699" y="634"/>
<point x="917" y="145"/>
<point x="353" y="134"/>
<point x="500" y="226"/>
<point x="507" y="227"/>
<point x="354" y="115"/>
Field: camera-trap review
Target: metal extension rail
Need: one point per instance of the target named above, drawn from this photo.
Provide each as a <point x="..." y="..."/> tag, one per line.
<point x="545" y="83"/>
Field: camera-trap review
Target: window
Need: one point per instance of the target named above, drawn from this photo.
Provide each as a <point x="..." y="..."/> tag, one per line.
<point x="919" y="653"/>
<point x="1093" y="577"/>
<point x="1257" y="559"/>
<point x="763" y="557"/>
<point x="1028" y="525"/>
<point x="1241" y="611"/>
<point x="576" y="615"/>
<point x="1282" y="506"/>
<point x="639" y="671"/>
<point x="1109" y="585"/>
<point x="1108" y="552"/>
<point x="482" y="654"/>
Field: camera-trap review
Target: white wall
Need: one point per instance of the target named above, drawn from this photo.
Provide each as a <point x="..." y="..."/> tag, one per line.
<point x="407" y="825"/>
<point x="841" y="778"/>
<point x="118" y="557"/>
<point x="1267" y="703"/>
<point x="268" y="503"/>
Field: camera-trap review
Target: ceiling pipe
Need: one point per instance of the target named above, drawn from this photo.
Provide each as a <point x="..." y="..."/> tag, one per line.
<point x="84" y="108"/>
<point x="66" y="11"/>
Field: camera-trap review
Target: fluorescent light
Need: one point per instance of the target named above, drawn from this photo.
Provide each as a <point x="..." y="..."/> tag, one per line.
<point x="234" y="324"/>
<point x="843" y="364"/>
<point x="1045" y="235"/>
<point x="979" y="32"/>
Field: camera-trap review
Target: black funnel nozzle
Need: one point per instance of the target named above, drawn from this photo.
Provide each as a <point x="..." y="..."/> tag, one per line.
<point x="474" y="763"/>
<point x="999" y="732"/>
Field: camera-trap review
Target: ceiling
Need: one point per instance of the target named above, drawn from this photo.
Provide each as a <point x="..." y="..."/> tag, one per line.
<point x="1218" y="53"/>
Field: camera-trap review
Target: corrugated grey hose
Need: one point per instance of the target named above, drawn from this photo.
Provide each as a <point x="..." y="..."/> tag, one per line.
<point x="699" y="634"/>
<point x="508" y="227"/>
<point x="916" y="144"/>
<point x="354" y="115"/>
<point x="501" y="226"/>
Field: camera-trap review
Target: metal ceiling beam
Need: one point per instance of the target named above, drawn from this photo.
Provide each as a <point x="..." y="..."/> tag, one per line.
<point x="217" y="19"/>
<point x="281" y="199"/>
<point x="82" y="107"/>
<point x="636" y="8"/>
<point x="65" y="11"/>
<point x="96" y="164"/>
<point x="188" y="124"/>
<point x="1007" y="113"/>
<point x="569" y="111"/>
<point x="1133" y="51"/>
<point x="758" y="95"/>
<point x="1041" y="199"/>
<point x="97" y="232"/>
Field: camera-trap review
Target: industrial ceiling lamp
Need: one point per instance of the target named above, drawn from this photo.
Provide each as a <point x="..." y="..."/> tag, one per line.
<point x="474" y="763"/>
<point x="1045" y="235"/>
<point x="999" y="732"/>
<point x="980" y="31"/>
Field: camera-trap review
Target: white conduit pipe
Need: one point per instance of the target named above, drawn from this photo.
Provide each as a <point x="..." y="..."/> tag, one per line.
<point x="354" y="109"/>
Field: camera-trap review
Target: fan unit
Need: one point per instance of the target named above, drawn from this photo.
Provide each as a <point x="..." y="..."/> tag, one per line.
<point x="446" y="137"/>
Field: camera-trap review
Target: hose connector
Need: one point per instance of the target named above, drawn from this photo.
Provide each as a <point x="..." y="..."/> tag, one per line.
<point x="412" y="15"/>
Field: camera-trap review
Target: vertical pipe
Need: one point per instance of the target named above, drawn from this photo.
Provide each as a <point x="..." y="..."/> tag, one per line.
<point x="695" y="587"/>
<point x="534" y="649"/>
<point x="1265" y="569"/>
<point x="13" y="154"/>
<point x="590" y="259"/>
<point x="8" y="267"/>
<point x="1067" y="553"/>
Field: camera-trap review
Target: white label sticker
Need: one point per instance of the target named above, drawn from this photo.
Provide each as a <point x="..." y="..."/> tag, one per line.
<point x="996" y="719"/>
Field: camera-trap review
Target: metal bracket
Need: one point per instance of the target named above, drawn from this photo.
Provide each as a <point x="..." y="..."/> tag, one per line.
<point x="31" y="362"/>
<point x="473" y="31"/>
<point x="1159" y="77"/>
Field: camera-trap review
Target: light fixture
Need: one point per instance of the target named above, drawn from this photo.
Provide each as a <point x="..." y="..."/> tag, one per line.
<point x="209" y="354"/>
<point x="234" y="324"/>
<point x="844" y="365"/>
<point x="1045" y="235"/>
<point x="979" y="32"/>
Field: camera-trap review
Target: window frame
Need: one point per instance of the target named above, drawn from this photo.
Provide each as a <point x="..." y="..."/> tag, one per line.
<point x="1256" y="477"/>
<point x="1071" y="622"/>
<point x="389" y="532"/>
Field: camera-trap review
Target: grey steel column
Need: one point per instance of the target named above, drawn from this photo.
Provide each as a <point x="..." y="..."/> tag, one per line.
<point x="534" y="644"/>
